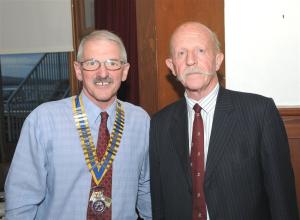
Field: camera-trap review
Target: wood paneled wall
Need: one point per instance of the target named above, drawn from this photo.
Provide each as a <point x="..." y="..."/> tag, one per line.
<point x="79" y="31"/>
<point x="291" y="119"/>
<point x="156" y="20"/>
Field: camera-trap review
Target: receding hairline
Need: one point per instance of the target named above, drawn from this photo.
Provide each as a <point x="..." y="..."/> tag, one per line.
<point x="100" y="38"/>
<point x="102" y="35"/>
<point x="198" y="26"/>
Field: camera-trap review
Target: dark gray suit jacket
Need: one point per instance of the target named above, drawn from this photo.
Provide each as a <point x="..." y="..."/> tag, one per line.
<point x="248" y="171"/>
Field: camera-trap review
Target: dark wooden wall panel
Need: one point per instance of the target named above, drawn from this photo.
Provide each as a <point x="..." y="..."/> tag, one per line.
<point x="156" y="20"/>
<point x="147" y="52"/>
<point x="291" y="118"/>
<point x="169" y="15"/>
<point x="295" y="156"/>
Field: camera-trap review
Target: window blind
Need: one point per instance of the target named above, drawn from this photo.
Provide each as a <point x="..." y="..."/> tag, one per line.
<point x="35" y="26"/>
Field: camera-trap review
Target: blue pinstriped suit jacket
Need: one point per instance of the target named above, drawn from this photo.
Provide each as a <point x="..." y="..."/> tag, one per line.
<point x="248" y="171"/>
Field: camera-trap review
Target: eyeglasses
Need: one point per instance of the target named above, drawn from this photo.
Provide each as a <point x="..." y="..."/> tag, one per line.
<point x="110" y="64"/>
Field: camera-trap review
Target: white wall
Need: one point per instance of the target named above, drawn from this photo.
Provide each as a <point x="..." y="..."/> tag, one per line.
<point x="262" y="40"/>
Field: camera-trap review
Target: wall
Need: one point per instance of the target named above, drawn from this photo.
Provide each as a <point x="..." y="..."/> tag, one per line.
<point x="263" y="48"/>
<point x="157" y="86"/>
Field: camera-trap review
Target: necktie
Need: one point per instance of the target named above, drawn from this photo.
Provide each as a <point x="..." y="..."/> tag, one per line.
<point x="106" y="183"/>
<point x="197" y="166"/>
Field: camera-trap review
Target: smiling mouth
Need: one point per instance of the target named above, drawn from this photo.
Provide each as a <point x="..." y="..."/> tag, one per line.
<point x="99" y="81"/>
<point x="102" y="83"/>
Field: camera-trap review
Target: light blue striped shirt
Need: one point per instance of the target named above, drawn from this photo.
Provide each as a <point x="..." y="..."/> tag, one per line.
<point x="49" y="178"/>
<point x="208" y="105"/>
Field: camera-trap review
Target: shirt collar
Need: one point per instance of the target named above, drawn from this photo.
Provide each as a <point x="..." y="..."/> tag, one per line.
<point x="93" y="111"/>
<point x="207" y="103"/>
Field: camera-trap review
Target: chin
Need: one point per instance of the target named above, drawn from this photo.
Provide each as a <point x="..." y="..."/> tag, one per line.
<point x="194" y="89"/>
<point x="104" y="99"/>
<point x="194" y="85"/>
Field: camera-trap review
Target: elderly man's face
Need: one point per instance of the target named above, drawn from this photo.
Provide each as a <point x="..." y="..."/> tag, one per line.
<point x="101" y="85"/>
<point x="194" y="59"/>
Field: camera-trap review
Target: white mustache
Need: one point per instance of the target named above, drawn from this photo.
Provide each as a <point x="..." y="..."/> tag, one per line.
<point x="196" y="70"/>
<point x="101" y="80"/>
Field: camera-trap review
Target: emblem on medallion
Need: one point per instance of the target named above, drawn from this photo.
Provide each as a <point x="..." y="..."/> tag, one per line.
<point x="98" y="206"/>
<point x="99" y="201"/>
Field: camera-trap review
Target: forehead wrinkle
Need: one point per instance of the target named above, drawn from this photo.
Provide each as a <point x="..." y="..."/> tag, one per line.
<point x="93" y="49"/>
<point x="190" y="30"/>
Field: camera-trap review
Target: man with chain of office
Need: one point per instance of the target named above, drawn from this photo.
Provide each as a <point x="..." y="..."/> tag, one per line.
<point x="84" y="157"/>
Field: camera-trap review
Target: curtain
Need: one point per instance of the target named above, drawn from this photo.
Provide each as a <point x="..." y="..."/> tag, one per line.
<point x="120" y="17"/>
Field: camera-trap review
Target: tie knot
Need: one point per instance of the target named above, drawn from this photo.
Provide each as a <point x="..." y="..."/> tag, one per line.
<point x="197" y="108"/>
<point x="104" y="116"/>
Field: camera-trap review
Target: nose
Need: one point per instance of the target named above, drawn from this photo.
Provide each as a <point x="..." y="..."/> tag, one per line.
<point x="102" y="71"/>
<point x="191" y="58"/>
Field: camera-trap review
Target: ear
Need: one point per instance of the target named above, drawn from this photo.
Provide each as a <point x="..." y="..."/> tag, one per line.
<point x="219" y="60"/>
<point x="125" y="71"/>
<point x="78" y="71"/>
<point x="170" y="65"/>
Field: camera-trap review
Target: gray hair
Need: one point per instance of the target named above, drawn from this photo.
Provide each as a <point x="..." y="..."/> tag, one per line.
<point x="216" y="41"/>
<point x="102" y="35"/>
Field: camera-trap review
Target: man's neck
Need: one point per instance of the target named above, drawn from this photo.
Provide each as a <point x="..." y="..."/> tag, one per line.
<point x="197" y="95"/>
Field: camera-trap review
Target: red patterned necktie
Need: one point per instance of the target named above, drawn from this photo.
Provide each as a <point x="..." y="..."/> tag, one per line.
<point x="106" y="183"/>
<point x="197" y="166"/>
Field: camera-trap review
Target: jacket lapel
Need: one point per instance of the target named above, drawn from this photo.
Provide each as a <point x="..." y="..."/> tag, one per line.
<point x="179" y="137"/>
<point x="222" y="127"/>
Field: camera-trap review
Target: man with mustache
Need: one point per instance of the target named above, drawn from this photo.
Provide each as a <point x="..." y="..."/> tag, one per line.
<point x="84" y="157"/>
<point x="217" y="154"/>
